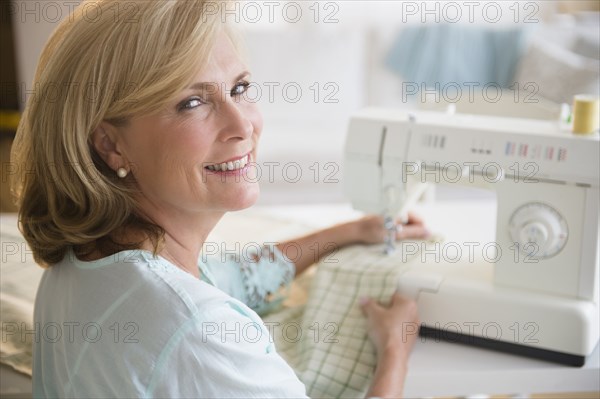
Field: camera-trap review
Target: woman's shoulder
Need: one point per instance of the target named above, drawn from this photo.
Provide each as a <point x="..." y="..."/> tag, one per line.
<point x="128" y="282"/>
<point x="135" y="289"/>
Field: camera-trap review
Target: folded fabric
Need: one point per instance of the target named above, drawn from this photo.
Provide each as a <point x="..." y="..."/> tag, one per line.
<point x="557" y="73"/>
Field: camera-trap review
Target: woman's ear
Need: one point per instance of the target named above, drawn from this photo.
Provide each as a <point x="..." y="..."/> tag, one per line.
<point x="105" y="144"/>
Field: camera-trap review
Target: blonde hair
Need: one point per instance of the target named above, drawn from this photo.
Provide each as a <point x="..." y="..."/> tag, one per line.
<point x="110" y="62"/>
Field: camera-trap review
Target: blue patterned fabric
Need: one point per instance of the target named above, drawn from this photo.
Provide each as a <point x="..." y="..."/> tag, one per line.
<point x="259" y="278"/>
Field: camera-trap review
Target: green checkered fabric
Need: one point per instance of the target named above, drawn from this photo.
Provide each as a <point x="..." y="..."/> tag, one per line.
<point x="325" y="341"/>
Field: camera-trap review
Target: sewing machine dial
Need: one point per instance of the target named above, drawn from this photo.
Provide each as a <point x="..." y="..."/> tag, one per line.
<point x="539" y="230"/>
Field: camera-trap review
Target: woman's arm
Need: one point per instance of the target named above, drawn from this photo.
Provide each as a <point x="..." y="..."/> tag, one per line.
<point x="305" y="251"/>
<point x="309" y="249"/>
<point x="393" y="330"/>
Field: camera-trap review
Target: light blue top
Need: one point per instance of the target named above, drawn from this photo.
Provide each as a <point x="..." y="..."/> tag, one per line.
<point x="132" y="325"/>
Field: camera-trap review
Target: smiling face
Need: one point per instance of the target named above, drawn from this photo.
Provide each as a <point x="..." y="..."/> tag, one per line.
<point x="191" y="157"/>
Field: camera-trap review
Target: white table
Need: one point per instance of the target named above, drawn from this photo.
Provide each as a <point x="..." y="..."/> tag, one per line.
<point x="446" y="369"/>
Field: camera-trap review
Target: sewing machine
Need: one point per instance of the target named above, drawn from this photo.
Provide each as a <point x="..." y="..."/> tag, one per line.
<point x="535" y="290"/>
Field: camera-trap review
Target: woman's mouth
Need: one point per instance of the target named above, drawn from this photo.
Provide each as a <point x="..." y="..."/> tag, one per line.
<point x="229" y="166"/>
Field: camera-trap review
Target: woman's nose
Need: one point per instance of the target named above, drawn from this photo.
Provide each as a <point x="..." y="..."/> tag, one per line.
<point x="236" y="121"/>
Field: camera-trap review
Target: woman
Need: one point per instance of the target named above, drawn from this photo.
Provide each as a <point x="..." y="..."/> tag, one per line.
<point x="134" y="145"/>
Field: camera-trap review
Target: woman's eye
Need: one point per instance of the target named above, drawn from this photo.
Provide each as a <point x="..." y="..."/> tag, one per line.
<point x="191" y="103"/>
<point x="239" y="88"/>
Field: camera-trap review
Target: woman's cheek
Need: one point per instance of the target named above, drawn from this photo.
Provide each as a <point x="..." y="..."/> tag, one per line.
<point x="255" y="117"/>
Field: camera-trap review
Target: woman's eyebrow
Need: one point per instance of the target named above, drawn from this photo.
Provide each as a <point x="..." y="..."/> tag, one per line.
<point x="203" y="85"/>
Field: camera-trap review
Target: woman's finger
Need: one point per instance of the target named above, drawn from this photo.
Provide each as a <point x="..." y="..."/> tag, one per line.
<point x="412" y="219"/>
<point x="415" y="219"/>
<point x="412" y="231"/>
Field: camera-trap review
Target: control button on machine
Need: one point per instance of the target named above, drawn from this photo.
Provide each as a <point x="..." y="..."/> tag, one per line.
<point x="539" y="230"/>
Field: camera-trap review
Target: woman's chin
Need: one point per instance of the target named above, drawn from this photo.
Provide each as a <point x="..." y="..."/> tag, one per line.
<point x="242" y="199"/>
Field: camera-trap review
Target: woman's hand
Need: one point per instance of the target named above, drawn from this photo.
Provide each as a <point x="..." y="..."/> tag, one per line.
<point x="370" y="229"/>
<point x="393" y="330"/>
<point x="366" y="230"/>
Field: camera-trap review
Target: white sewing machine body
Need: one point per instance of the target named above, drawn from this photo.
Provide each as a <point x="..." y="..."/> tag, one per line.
<point x="543" y="279"/>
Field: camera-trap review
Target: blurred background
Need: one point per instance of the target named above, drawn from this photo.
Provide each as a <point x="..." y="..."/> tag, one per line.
<point x="314" y="63"/>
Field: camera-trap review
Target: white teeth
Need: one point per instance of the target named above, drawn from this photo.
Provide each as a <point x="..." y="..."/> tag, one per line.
<point x="231" y="165"/>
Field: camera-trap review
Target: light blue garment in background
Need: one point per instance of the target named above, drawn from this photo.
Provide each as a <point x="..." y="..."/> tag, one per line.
<point x="449" y="53"/>
<point x="132" y="325"/>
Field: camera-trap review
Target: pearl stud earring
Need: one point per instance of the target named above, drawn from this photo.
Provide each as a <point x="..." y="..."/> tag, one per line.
<point x="122" y="172"/>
